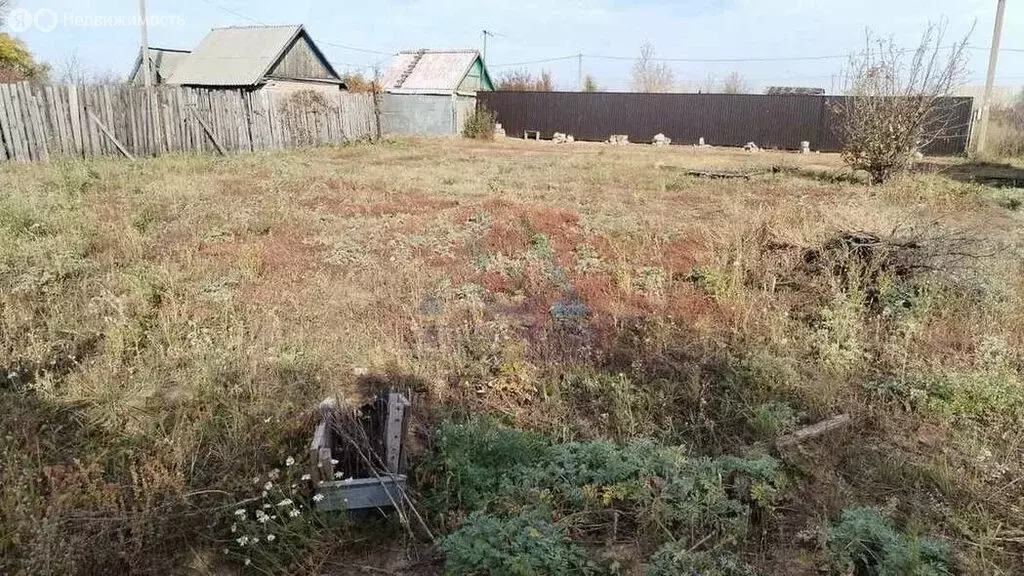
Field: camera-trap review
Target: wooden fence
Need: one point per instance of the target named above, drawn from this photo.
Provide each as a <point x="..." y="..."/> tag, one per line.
<point x="39" y="122"/>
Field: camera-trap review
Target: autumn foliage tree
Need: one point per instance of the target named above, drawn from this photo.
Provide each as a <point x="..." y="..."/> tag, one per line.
<point x="16" y="62"/>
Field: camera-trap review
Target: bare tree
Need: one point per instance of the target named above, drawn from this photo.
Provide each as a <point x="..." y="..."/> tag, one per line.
<point x="897" y="102"/>
<point x="70" y="70"/>
<point x="709" y="85"/>
<point x="649" y="75"/>
<point x="734" y="83"/>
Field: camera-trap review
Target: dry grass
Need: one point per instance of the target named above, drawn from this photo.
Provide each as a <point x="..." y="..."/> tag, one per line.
<point x="167" y="326"/>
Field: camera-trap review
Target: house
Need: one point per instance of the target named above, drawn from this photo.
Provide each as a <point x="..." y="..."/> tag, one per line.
<point x="162" y="63"/>
<point x="279" y="59"/>
<point x="460" y="72"/>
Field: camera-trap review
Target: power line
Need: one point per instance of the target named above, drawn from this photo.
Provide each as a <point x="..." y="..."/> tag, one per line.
<point x="354" y="49"/>
<point x="719" y="60"/>
<point x="234" y="13"/>
<point x="572" y="57"/>
<point x="261" y="23"/>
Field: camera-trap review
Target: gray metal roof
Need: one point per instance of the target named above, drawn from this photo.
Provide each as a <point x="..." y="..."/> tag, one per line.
<point x="239" y="56"/>
<point x="164" y="61"/>
<point x="429" y="70"/>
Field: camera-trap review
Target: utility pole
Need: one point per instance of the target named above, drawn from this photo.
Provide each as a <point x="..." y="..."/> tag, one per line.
<point x="579" y="70"/>
<point x="990" y="79"/>
<point x="486" y="34"/>
<point x="146" y="79"/>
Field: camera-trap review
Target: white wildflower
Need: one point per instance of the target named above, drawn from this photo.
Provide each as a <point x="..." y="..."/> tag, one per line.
<point x="234" y="527"/>
<point x="306" y="478"/>
<point x="256" y="481"/>
<point x="293" y="513"/>
<point x="268" y="485"/>
<point x="240" y="512"/>
<point x="262" y="517"/>
<point x="289" y="461"/>
<point x="318" y="497"/>
<point x="271" y="537"/>
<point x="264" y="493"/>
<point x="247" y="561"/>
<point x="274" y="474"/>
<point x="285" y="502"/>
<point x="243" y="540"/>
<point x="334" y="461"/>
<point x="226" y="551"/>
<point x="339" y="475"/>
<point x="266" y="506"/>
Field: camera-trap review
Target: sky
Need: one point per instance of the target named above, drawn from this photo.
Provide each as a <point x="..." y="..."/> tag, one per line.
<point x="104" y="37"/>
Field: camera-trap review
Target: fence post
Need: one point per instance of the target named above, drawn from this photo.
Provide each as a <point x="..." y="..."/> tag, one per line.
<point x="376" y="100"/>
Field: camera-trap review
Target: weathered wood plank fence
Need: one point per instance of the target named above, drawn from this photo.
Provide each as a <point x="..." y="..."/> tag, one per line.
<point x="39" y="122"/>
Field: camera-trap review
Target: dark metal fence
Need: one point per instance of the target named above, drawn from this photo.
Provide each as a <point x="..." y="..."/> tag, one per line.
<point x="772" y="121"/>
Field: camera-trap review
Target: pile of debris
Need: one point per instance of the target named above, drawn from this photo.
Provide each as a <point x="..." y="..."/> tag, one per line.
<point x="560" y="138"/>
<point x="618" y="139"/>
<point x="661" y="140"/>
<point x="751" y="147"/>
<point x="499" y="132"/>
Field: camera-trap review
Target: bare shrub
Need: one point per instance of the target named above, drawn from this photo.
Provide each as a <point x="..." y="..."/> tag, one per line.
<point x="735" y="83"/>
<point x="523" y="81"/>
<point x="590" y="84"/>
<point x="896" y="103"/>
<point x="650" y="76"/>
<point x="356" y="82"/>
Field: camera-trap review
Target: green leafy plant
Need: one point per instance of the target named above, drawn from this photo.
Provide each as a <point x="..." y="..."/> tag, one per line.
<point x="514" y="546"/>
<point x="481" y="124"/>
<point x="865" y="542"/>
<point x="773" y="419"/>
<point x="483" y="467"/>
<point x="673" y="559"/>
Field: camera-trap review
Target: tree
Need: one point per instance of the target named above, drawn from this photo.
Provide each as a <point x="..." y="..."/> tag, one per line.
<point x="734" y="83"/>
<point x="356" y="82"/>
<point x="590" y="84"/>
<point x="17" y="63"/>
<point x="650" y="76"/>
<point x="709" y="85"/>
<point x="897" y="102"/>
<point x="523" y="81"/>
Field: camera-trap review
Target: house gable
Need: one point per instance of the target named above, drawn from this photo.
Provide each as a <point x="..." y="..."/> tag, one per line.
<point x="477" y="79"/>
<point x="302" y="59"/>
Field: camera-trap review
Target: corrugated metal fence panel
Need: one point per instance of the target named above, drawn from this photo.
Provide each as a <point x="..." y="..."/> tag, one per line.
<point x="424" y="114"/>
<point x="772" y="121"/>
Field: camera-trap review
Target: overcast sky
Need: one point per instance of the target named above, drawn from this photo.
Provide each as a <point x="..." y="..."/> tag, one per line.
<point x="101" y="34"/>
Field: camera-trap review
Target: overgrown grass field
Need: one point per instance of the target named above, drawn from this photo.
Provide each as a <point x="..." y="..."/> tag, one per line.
<point x="605" y="349"/>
